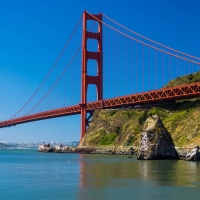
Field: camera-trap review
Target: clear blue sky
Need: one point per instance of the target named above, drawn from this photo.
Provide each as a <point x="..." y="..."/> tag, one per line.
<point x="32" y="33"/>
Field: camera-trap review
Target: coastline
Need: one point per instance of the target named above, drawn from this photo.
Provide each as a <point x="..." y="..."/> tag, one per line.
<point x="105" y="150"/>
<point x="91" y="150"/>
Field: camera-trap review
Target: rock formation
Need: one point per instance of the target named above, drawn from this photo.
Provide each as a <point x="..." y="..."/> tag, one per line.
<point x="194" y="154"/>
<point x="182" y="153"/>
<point x="156" y="142"/>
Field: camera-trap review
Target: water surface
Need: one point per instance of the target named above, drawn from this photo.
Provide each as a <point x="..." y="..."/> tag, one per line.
<point x="27" y="174"/>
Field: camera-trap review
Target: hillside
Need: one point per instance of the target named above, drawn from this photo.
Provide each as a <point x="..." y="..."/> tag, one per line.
<point x="116" y="127"/>
<point x="191" y="78"/>
<point x="123" y="127"/>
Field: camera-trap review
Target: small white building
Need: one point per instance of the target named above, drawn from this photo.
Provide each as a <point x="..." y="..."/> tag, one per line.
<point x="43" y="146"/>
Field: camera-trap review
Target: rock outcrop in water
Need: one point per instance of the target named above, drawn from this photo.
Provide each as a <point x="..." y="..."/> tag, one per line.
<point x="194" y="154"/>
<point x="156" y="142"/>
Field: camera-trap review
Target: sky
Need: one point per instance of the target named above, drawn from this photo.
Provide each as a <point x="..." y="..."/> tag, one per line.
<point x="32" y="34"/>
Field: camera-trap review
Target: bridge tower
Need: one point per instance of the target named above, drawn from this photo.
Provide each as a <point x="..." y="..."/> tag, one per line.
<point x="86" y="55"/>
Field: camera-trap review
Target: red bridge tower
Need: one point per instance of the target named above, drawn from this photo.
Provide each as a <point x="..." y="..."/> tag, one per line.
<point x="86" y="55"/>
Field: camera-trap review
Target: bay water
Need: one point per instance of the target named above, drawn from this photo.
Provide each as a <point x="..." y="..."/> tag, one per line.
<point x="28" y="174"/>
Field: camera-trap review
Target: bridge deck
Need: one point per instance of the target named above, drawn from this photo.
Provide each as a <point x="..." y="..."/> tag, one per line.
<point x="186" y="91"/>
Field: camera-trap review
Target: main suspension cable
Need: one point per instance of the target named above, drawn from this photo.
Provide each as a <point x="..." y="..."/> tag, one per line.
<point x="60" y="75"/>
<point x="143" y="42"/>
<point x="56" y="80"/>
<point x="51" y="68"/>
<point x="149" y="39"/>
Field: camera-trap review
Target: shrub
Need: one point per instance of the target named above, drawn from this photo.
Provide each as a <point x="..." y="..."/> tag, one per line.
<point x="131" y="140"/>
<point x="118" y="130"/>
<point x="103" y="138"/>
<point x="113" y="112"/>
<point x="129" y="113"/>
<point x="190" y="77"/>
<point x="142" y="118"/>
<point x="159" y="112"/>
<point x="108" y="139"/>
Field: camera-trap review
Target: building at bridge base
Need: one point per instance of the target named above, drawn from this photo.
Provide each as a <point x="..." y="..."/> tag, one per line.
<point x="87" y="55"/>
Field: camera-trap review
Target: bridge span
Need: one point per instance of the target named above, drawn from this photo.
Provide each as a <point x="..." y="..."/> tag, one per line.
<point x="186" y="91"/>
<point x="125" y="68"/>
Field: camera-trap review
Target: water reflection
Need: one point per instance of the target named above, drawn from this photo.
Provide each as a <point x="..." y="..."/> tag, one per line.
<point x="170" y="172"/>
<point x="106" y="172"/>
<point x="98" y="170"/>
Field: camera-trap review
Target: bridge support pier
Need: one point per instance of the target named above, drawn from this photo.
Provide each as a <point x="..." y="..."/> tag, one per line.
<point x="86" y="55"/>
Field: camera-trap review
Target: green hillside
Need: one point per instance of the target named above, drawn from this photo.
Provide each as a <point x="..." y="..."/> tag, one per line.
<point x="123" y="127"/>
<point x="116" y="127"/>
<point x="191" y="78"/>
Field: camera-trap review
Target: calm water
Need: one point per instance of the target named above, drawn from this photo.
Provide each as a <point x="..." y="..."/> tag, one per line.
<point x="27" y="174"/>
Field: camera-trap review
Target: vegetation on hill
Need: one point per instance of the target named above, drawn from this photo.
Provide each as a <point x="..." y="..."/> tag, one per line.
<point x="116" y="127"/>
<point x="123" y="127"/>
<point x="190" y="78"/>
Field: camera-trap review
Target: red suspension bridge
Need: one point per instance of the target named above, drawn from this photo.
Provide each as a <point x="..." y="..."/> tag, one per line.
<point x="119" y="67"/>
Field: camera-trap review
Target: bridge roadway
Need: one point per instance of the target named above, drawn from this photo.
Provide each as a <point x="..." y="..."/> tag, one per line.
<point x="180" y="92"/>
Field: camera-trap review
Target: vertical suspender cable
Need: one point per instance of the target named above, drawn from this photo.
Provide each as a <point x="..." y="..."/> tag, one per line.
<point x="142" y="67"/>
<point x="148" y="70"/>
<point x="136" y="67"/>
<point x="163" y="69"/>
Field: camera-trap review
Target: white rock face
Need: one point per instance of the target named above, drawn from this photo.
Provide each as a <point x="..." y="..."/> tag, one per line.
<point x="156" y="142"/>
<point x="194" y="154"/>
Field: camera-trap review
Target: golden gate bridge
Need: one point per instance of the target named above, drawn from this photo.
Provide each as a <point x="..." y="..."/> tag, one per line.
<point x="122" y="66"/>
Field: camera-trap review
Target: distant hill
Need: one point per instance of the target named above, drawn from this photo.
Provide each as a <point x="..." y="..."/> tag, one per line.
<point x="35" y="144"/>
<point x="2" y="145"/>
<point x="8" y="145"/>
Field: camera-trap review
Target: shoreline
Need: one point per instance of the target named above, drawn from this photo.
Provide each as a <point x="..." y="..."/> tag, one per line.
<point x="105" y="150"/>
<point x="91" y="150"/>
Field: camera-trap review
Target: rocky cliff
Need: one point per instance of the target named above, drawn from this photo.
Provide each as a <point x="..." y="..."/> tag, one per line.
<point x="123" y="126"/>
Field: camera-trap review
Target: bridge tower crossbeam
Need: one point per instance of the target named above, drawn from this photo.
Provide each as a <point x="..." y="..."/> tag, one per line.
<point x="86" y="55"/>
